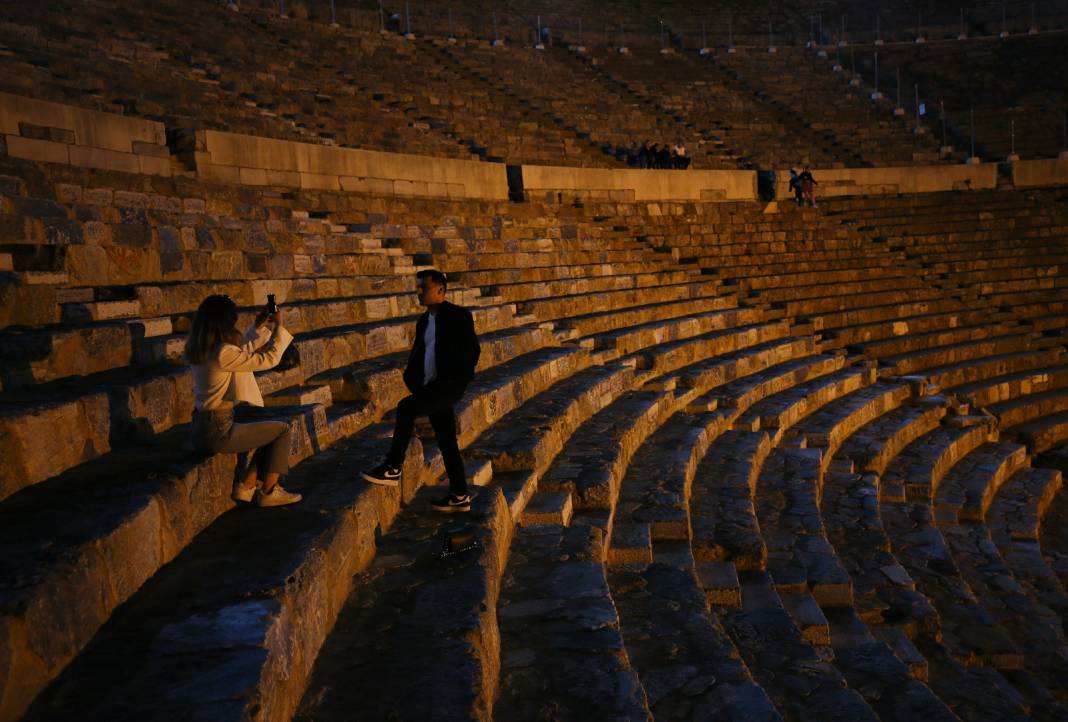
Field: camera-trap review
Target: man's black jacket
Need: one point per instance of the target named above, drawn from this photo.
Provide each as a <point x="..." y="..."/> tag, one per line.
<point x="456" y="349"/>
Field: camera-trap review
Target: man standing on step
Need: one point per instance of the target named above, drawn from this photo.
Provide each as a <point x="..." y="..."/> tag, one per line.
<point x="441" y="364"/>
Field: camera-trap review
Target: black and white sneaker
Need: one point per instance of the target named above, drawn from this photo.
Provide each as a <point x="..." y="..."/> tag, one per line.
<point x="384" y="474"/>
<point x="452" y="503"/>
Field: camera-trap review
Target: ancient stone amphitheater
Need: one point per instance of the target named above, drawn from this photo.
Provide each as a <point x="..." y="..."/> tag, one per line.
<point x="737" y="459"/>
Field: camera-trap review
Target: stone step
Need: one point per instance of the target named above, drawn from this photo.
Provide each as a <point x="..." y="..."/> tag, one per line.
<point x="545" y="274"/>
<point x="380" y="631"/>
<point x="1021" y="503"/>
<point x="974" y="371"/>
<point x="1042" y="434"/>
<point x="912" y="362"/>
<point x="831" y="302"/>
<point x="670" y="330"/>
<point x="380" y="379"/>
<point x="919" y="468"/>
<point x="719" y="582"/>
<point x="675" y="355"/>
<point x="591" y="465"/>
<point x="830" y="285"/>
<point x="1013" y="523"/>
<point x="883" y="592"/>
<point x="99" y="311"/>
<point x="871" y="318"/>
<point x="967" y="490"/>
<point x="716" y="372"/>
<point x="875" y="444"/>
<point x="528" y="290"/>
<point x="134" y="495"/>
<point x="841" y="272"/>
<point x="722" y="512"/>
<point x="1033" y="626"/>
<point x="807" y="616"/>
<point x="930" y="340"/>
<point x="587" y="324"/>
<point x="1028" y="407"/>
<point x="800" y="558"/>
<point x="744" y="392"/>
<point x="784" y="407"/>
<point x="871" y="668"/>
<point x="799" y="680"/>
<point x="655" y="493"/>
<point x="532" y="435"/>
<point x="574" y="305"/>
<point x="871" y="337"/>
<point x="828" y="427"/>
<point x="969" y="633"/>
<point x="562" y="651"/>
<point x="1002" y="388"/>
<point x="222" y="604"/>
<point x="553" y="508"/>
<point x="687" y="664"/>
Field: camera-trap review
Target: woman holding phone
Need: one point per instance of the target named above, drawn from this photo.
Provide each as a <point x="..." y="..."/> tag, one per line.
<point x="223" y="362"/>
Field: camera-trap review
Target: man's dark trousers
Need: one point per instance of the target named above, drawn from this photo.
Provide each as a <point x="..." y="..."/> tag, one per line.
<point x="437" y="403"/>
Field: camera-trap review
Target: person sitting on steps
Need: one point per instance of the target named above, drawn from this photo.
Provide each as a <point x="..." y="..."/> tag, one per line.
<point x="441" y="365"/>
<point x="223" y="363"/>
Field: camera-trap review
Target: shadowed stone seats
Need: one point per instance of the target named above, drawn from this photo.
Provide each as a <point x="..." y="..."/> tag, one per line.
<point x="917" y="470"/>
<point x="884" y="592"/>
<point x="970" y="634"/>
<point x="687" y="664"/>
<point x="1014" y="521"/>
<point x="800" y="559"/>
<point x="553" y="370"/>
<point x="264" y="613"/>
<point x="143" y="518"/>
<point x="1033" y="626"/>
<point x="794" y="672"/>
<point x="967" y="490"/>
<point x="575" y="665"/>
<point x="406" y="599"/>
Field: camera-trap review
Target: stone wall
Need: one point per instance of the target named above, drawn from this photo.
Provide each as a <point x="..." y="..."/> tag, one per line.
<point x="55" y="133"/>
<point x="629" y="184"/>
<point x="1034" y="173"/>
<point x="252" y="160"/>
<point x="901" y="179"/>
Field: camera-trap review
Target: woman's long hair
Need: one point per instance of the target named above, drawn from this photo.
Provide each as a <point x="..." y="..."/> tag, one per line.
<point x="214" y="323"/>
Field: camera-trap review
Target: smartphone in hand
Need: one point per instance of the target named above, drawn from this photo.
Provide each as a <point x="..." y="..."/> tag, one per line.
<point x="272" y="306"/>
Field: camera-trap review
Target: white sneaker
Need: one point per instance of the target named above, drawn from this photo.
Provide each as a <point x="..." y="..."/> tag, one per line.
<point x="243" y="493"/>
<point x="277" y="497"/>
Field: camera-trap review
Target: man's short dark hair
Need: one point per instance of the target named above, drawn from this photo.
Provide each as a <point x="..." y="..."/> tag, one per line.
<point x="434" y="275"/>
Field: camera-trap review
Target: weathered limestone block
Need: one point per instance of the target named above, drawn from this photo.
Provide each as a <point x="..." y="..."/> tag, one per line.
<point x="22" y="304"/>
<point x="42" y="440"/>
<point x="33" y="357"/>
<point x="148" y="407"/>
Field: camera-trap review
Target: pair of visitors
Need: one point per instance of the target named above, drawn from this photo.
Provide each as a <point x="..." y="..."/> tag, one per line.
<point x="803" y="186"/>
<point x="441" y="364"/>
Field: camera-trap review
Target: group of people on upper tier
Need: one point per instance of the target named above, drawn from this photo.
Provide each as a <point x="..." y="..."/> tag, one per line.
<point x="441" y="364"/>
<point x="653" y="155"/>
